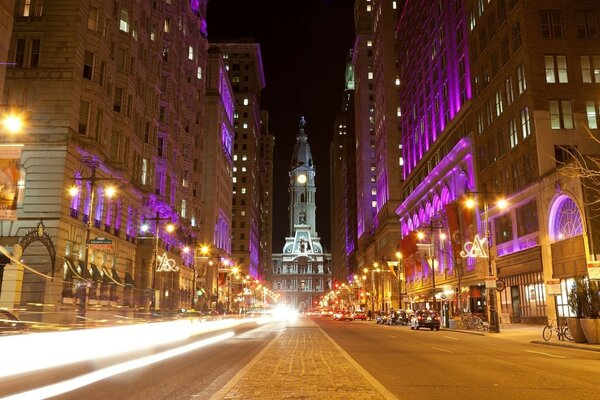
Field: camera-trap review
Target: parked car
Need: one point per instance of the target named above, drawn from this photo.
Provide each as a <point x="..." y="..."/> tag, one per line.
<point x="10" y="323"/>
<point x="343" y="315"/>
<point x="425" y="319"/>
<point x="381" y="318"/>
<point x="360" y="315"/>
<point x="403" y="317"/>
<point x="326" y="313"/>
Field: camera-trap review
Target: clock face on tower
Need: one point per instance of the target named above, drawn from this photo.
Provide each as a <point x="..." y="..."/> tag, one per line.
<point x="301" y="178"/>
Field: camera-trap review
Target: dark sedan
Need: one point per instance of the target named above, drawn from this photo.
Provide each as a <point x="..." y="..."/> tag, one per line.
<point x="425" y="319"/>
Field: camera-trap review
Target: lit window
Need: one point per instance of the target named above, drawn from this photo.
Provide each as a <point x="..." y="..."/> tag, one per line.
<point x="243" y="213"/>
<point x="245" y="125"/>
<point x="183" y="208"/>
<point x="397" y="81"/>
<point x="368" y="8"/>
<point x="167" y="25"/>
<point x="244" y="158"/>
<point x="243" y="191"/>
<point x="199" y="73"/>
<point x="374" y="204"/>
<point x="234" y="179"/>
<point x="235" y="158"/>
<point x="525" y="123"/>
<point x="398" y="111"/>
<point x="369" y="43"/>
<point x="561" y="114"/>
<point x="591" y="110"/>
<point x="124" y="23"/>
<point x="190" y="53"/>
<point x="590" y="69"/>
<point x="246" y="102"/>
<point x="370" y="75"/>
<point x="243" y="169"/>
<point x="556" y="69"/>
<point x="512" y="133"/>
<point x="374" y="192"/>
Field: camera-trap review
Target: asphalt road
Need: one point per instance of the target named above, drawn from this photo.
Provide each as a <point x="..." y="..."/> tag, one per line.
<point x="453" y="365"/>
<point x="410" y="364"/>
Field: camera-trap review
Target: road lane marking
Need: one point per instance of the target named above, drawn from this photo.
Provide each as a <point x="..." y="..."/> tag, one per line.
<point x="440" y="349"/>
<point x="544" y="354"/>
<point x="450" y="337"/>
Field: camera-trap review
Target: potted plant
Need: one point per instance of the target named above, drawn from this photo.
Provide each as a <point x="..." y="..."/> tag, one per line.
<point x="577" y="300"/>
<point x="591" y="323"/>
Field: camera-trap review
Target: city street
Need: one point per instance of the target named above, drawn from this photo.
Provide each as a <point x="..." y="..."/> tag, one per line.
<point x="393" y="361"/>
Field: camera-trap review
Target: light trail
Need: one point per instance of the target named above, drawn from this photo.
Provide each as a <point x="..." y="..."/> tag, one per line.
<point x="87" y="379"/>
<point x="33" y="352"/>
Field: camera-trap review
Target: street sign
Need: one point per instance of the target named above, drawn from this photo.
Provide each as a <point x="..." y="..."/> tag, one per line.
<point x="593" y="268"/>
<point x="500" y="285"/>
<point x="490" y="282"/>
<point x="100" y="242"/>
<point x="553" y="287"/>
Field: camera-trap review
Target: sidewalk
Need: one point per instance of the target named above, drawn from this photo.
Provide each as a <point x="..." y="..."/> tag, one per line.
<point x="531" y="334"/>
<point x="303" y="363"/>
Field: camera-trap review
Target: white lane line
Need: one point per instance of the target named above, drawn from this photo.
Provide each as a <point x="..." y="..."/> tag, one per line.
<point x="447" y="351"/>
<point x="544" y="354"/>
<point x="450" y="337"/>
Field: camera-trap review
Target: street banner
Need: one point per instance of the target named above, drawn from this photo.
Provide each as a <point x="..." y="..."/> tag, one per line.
<point x="454" y="229"/>
<point x="410" y="255"/>
<point x="593" y="268"/>
<point x="10" y="173"/>
<point x="553" y="287"/>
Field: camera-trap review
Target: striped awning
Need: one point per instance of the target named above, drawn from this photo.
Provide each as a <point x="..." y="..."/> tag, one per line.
<point x="71" y="270"/>
<point x="115" y="276"/>
<point x="96" y="275"/>
<point x="85" y="273"/>
<point x="129" y="281"/>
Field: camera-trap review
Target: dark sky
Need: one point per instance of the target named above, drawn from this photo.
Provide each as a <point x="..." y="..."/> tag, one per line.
<point x="304" y="44"/>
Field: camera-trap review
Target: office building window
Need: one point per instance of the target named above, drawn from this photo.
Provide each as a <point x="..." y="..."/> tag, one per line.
<point x="510" y="94"/>
<point x="521" y="80"/>
<point x="561" y="114"/>
<point x="591" y="110"/>
<point x="525" y="123"/>
<point x="551" y="24"/>
<point x="88" y="65"/>
<point x="590" y="69"/>
<point x="587" y="24"/>
<point x="84" y="116"/>
<point x="556" y="69"/>
<point x="124" y="21"/>
<point x="499" y="105"/>
<point x="512" y="133"/>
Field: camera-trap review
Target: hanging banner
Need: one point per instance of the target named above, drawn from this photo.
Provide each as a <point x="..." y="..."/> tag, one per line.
<point x="454" y="229"/>
<point x="10" y="171"/>
<point x="593" y="268"/>
<point x="410" y="255"/>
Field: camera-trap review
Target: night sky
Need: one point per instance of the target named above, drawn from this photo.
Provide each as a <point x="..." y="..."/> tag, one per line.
<point x="304" y="44"/>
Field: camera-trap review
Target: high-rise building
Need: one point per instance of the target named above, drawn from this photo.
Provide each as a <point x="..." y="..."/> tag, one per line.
<point x="6" y="25"/>
<point x="301" y="273"/>
<point x="342" y="190"/>
<point x="267" y="146"/>
<point x="243" y="62"/>
<point x="115" y="95"/>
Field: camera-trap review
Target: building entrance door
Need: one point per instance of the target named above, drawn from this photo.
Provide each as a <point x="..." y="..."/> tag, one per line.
<point x="516" y="304"/>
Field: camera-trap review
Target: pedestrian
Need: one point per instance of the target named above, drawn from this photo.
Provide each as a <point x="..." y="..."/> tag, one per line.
<point x="369" y="315"/>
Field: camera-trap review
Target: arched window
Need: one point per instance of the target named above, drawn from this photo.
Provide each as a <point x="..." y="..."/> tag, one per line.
<point x="565" y="219"/>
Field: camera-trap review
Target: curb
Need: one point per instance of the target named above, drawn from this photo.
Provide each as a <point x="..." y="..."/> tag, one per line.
<point x="462" y="331"/>
<point x="567" y="345"/>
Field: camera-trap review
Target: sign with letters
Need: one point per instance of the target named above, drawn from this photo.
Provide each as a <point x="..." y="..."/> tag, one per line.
<point x="475" y="249"/>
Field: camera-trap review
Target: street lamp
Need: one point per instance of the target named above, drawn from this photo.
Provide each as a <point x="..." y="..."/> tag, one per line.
<point x="501" y="203"/>
<point x="109" y="191"/>
<point x="399" y="276"/>
<point x="169" y="228"/>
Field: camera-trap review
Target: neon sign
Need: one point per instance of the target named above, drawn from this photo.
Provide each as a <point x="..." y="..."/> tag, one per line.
<point x="475" y="249"/>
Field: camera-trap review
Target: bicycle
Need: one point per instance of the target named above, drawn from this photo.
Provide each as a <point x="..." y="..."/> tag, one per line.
<point x="562" y="331"/>
<point x="472" y="322"/>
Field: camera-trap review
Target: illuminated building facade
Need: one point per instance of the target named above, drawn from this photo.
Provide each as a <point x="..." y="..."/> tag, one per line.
<point x="301" y="273"/>
<point x="115" y="94"/>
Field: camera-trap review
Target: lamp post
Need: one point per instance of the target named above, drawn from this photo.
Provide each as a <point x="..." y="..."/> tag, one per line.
<point x="74" y="191"/>
<point x="399" y="262"/>
<point x="168" y="228"/>
<point x="432" y="255"/>
<point x="492" y="309"/>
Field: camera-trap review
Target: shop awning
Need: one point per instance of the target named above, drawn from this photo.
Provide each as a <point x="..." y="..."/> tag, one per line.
<point x="96" y="275"/>
<point x="71" y="270"/>
<point x="85" y="273"/>
<point x="129" y="279"/>
<point x="115" y="276"/>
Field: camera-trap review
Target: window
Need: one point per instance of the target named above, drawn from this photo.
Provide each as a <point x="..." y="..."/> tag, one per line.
<point x="512" y="133"/>
<point x="144" y="172"/>
<point x="183" y="208"/>
<point x="501" y="141"/>
<point x="190" y="53"/>
<point x="590" y="69"/>
<point x="118" y="99"/>
<point x="88" y="65"/>
<point x="34" y="58"/>
<point x="521" y="81"/>
<point x="503" y="229"/>
<point x="30" y="8"/>
<point x="20" y="53"/>
<point x="124" y="21"/>
<point x="561" y="114"/>
<point x="510" y="94"/>
<point x="525" y="123"/>
<point x="556" y="69"/>
<point x="499" y="106"/>
<point x="527" y="219"/>
<point x="551" y="24"/>
<point x="93" y="19"/>
<point x="516" y="32"/>
<point x="587" y="24"/>
<point x="84" y="116"/>
<point x="591" y="110"/>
